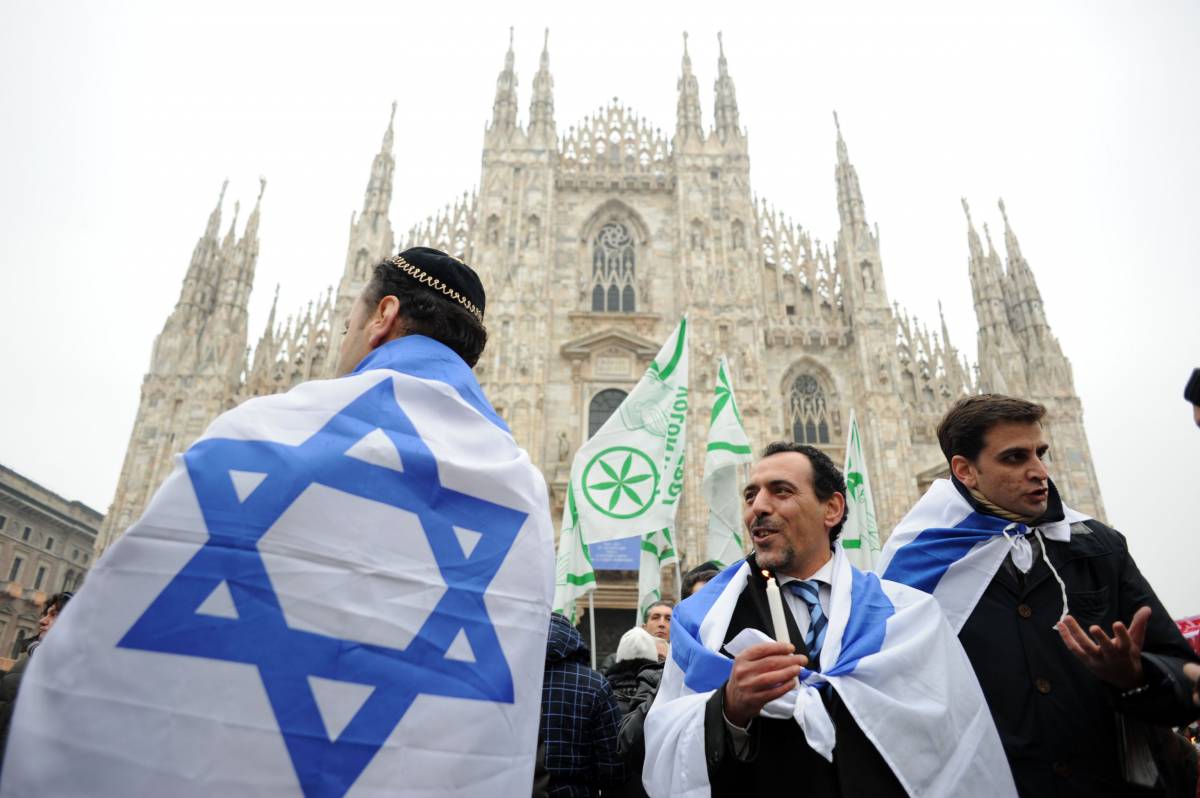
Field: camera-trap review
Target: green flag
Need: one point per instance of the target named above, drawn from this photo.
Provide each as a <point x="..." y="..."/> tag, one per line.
<point x="860" y="535"/>
<point x="658" y="551"/>
<point x="725" y="465"/>
<point x="573" y="574"/>
<point x="627" y="478"/>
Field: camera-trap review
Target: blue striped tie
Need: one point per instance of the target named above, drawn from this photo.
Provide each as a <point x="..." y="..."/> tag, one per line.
<point x="807" y="590"/>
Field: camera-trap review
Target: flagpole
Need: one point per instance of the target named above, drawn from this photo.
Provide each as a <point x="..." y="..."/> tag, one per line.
<point x="592" y="624"/>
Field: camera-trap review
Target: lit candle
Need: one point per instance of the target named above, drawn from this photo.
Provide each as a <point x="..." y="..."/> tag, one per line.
<point x="775" y="602"/>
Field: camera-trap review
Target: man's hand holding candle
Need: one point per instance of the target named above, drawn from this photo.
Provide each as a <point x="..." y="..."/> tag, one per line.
<point x="760" y="674"/>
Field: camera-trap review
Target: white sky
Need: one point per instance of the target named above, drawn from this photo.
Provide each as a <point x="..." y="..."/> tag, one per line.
<point x="119" y="122"/>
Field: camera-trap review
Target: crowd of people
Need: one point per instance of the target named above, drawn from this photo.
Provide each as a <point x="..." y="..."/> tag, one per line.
<point x="1005" y="644"/>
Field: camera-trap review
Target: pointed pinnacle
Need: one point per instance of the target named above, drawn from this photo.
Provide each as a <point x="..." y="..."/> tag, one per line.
<point x="966" y="209"/>
<point x="262" y="186"/>
<point x="1003" y="212"/>
<point x="837" y="124"/>
<point x="546" y="40"/>
<point x="224" y="186"/>
<point x="510" y="37"/>
<point x="685" y="50"/>
<point x="720" y="45"/>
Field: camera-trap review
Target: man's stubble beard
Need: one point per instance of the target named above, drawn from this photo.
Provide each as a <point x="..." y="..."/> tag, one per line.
<point x="786" y="558"/>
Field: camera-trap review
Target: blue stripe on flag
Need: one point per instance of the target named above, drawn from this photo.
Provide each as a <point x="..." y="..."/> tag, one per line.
<point x="924" y="560"/>
<point x="703" y="670"/>
<point x="427" y="359"/>
<point x="863" y="636"/>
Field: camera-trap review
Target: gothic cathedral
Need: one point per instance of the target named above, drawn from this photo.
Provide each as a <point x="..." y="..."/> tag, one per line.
<point x="591" y="244"/>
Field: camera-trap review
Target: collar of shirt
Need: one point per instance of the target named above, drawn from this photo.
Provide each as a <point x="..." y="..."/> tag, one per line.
<point x="824" y="579"/>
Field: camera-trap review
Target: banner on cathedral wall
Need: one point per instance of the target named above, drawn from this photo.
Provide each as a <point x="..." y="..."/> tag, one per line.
<point x="860" y="534"/>
<point x="628" y="477"/>
<point x="726" y="461"/>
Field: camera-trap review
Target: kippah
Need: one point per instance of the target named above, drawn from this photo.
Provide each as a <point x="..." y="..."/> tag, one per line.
<point x="1192" y="391"/>
<point x="445" y="274"/>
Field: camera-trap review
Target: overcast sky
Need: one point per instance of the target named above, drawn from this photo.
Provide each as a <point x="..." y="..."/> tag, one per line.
<point x="120" y="122"/>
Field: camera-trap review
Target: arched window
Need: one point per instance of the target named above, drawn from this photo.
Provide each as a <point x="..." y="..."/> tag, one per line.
<point x="533" y="231"/>
<point x="809" y="414"/>
<point x="603" y="405"/>
<point x="737" y="235"/>
<point x="613" y="270"/>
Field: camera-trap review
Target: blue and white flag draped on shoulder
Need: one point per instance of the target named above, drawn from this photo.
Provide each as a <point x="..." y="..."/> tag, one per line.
<point x="895" y="664"/>
<point x="340" y="590"/>
<point x="948" y="549"/>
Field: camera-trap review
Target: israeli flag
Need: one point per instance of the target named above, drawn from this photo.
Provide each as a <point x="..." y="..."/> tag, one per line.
<point x="894" y="662"/>
<point x="951" y="551"/>
<point x="341" y="590"/>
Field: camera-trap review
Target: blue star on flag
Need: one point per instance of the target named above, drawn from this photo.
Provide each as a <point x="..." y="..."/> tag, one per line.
<point x="286" y="657"/>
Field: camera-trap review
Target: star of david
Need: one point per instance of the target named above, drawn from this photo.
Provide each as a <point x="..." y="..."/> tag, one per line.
<point x="286" y="657"/>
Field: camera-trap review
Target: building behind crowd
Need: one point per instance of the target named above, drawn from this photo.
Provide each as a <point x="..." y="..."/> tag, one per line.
<point x="46" y="546"/>
<point x="592" y="240"/>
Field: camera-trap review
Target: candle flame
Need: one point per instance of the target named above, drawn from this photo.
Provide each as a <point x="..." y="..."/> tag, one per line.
<point x="766" y="574"/>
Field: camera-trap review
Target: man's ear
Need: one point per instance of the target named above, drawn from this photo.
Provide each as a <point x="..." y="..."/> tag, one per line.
<point x="835" y="508"/>
<point x="384" y="324"/>
<point x="964" y="470"/>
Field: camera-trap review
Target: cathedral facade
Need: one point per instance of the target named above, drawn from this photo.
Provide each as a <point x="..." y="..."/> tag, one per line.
<point x="591" y="243"/>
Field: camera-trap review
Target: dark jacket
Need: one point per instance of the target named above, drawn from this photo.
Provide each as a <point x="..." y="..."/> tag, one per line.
<point x="580" y="718"/>
<point x="1056" y="720"/>
<point x="631" y="743"/>
<point x="623" y="679"/>
<point x="10" y="683"/>
<point x="780" y="761"/>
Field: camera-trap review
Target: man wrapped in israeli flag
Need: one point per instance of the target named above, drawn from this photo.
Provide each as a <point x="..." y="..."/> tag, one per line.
<point x="339" y="591"/>
<point x="1082" y="666"/>
<point x="827" y="682"/>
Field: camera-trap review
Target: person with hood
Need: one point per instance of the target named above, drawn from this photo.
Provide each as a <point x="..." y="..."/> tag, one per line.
<point x="637" y="650"/>
<point x="580" y="719"/>
<point x="1033" y="588"/>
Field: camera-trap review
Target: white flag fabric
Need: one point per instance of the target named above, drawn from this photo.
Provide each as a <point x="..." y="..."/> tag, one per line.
<point x="628" y="476"/>
<point x="658" y="551"/>
<point x="949" y="550"/>
<point x="860" y="533"/>
<point x="896" y="665"/>
<point x="726" y="459"/>
<point x="338" y="591"/>
<point x="574" y="576"/>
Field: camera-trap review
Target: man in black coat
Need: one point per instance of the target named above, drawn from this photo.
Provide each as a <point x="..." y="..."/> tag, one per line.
<point x="711" y="725"/>
<point x="1080" y="711"/>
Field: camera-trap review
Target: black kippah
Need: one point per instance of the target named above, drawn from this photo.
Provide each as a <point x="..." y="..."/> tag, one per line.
<point x="1192" y="391"/>
<point x="444" y="274"/>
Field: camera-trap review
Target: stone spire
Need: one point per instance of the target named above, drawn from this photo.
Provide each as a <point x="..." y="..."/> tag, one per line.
<point x="251" y="233"/>
<point x="851" y="208"/>
<point x="1026" y="310"/>
<point x="214" y="218"/>
<point x="1048" y="367"/>
<point x="687" y="115"/>
<point x="725" y="110"/>
<point x="541" y="107"/>
<point x="1001" y="364"/>
<point x="378" y="198"/>
<point x="504" y="107"/>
